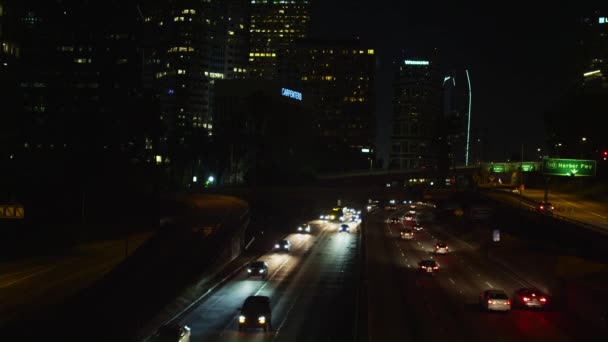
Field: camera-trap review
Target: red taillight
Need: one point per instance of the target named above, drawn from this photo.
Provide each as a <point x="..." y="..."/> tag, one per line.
<point x="508" y="302"/>
<point x="526" y="299"/>
<point x="446" y="247"/>
<point x="490" y="302"/>
<point x="542" y="207"/>
<point x="543" y="299"/>
<point x="534" y="295"/>
<point x="436" y="247"/>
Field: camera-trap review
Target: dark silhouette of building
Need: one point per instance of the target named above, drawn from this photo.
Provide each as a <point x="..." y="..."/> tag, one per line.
<point x="415" y="142"/>
<point x="264" y="133"/>
<point x="338" y="80"/>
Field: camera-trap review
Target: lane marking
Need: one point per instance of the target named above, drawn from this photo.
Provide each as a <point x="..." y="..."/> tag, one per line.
<point x="452" y="280"/>
<point x="272" y="276"/>
<point x="490" y="285"/>
<point x="598" y="215"/>
<point x="276" y="334"/>
<point x="403" y="255"/>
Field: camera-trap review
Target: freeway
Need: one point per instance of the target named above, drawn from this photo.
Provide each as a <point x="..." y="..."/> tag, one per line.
<point x="569" y="206"/>
<point x="312" y="289"/>
<point x="404" y="304"/>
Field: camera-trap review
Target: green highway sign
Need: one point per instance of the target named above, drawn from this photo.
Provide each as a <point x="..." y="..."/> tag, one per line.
<point x="498" y="168"/>
<point x="528" y="167"/>
<point x="569" y="167"/>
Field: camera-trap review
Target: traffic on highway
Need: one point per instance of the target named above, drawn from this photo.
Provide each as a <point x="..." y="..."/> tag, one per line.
<point x="304" y="288"/>
<point x="418" y="281"/>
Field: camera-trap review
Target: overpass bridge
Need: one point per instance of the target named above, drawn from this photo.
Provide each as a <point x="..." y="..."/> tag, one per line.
<point x="481" y="174"/>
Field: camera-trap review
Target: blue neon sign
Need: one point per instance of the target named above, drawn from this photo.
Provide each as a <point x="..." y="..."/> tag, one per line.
<point x="291" y="93"/>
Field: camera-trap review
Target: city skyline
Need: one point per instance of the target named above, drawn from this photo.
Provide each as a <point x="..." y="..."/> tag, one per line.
<point x="520" y="61"/>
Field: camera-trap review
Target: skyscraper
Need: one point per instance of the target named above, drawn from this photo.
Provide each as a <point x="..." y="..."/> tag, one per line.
<point x="415" y="142"/>
<point x="338" y="79"/>
<point x="177" y="69"/>
<point x="275" y="24"/>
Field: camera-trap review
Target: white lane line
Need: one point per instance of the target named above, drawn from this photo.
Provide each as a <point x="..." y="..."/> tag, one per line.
<point x="490" y="285"/>
<point x="452" y="281"/>
<point x="276" y="333"/>
<point x="272" y="276"/>
<point x="27" y="276"/>
<point x="403" y="255"/>
<point x="598" y="215"/>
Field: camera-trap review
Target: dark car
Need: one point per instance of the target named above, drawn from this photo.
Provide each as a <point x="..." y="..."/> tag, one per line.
<point x="255" y="313"/>
<point x="545" y="207"/>
<point x="428" y="266"/>
<point x="344" y="228"/>
<point x="394" y="220"/>
<point x="172" y="333"/>
<point x="257" y="268"/>
<point x="530" y="298"/>
<point x="283" y="245"/>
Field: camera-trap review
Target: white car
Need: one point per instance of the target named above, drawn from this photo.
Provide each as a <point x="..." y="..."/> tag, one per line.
<point x="495" y="300"/>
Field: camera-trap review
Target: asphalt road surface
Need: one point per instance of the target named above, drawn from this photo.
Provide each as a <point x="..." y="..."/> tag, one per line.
<point x="313" y="292"/>
<point x="404" y="304"/>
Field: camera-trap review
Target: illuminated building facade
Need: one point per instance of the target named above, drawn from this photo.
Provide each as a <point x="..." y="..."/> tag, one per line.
<point x="415" y="141"/>
<point x="275" y="24"/>
<point x="338" y="79"/>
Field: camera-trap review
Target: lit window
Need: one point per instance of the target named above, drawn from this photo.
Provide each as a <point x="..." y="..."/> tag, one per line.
<point x="231" y="33"/>
<point x="181" y="71"/>
<point x="370" y="51"/>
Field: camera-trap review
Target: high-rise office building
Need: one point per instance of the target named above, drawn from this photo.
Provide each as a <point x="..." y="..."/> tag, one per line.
<point x="177" y="69"/>
<point x="78" y="76"/>
<point x="415" y="141"/>
<point x="338" y="79"/>
<point x="275" y="24"/>
<point x="228" y="38"/>
<point x="593" y="47"/>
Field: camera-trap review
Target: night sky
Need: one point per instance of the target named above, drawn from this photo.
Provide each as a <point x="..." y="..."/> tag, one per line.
<point x="520" y="57"/>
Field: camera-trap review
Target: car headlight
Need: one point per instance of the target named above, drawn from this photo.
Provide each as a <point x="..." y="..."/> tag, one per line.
<point x="299" y="229"/>
<point x="277" y="246"/>
<point x="261" y="271"/>
<point x="241" y="319"/>
<point x="307" y="229"/>
<point x="262" y="319"/>
<point x="248" y="270"/>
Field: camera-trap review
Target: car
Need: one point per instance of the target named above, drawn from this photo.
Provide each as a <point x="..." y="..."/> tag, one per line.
<point x="344" y="228"/>
<point x="408" y="217"/>
<point x="172" y="332"/>
<point x="255" y="313"/>
<point x="428" y="266"/>
<point x="257" y="268"/>
<point x="530" y="297"/>
<point x="304" y="228"/>
<point x="441" y="248"/>
<point x="393" y="220"/>
<point x="282" y="246"/>
<point x="545" y="207"/>
<point x="495" y="300"/>
<point x="407" y="234"/>
<point x="417" y="226"/>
